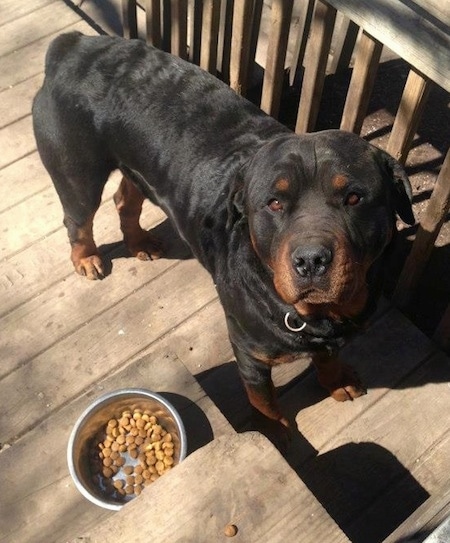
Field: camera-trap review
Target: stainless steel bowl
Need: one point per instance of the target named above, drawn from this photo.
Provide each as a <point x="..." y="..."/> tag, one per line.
<point x="96" y="416"/>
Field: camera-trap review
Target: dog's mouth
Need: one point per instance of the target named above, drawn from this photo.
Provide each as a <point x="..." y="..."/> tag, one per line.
<point x="321" y="281"/>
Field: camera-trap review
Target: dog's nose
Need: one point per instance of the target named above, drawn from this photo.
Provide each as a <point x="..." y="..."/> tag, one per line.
<point x="312" y="261"/>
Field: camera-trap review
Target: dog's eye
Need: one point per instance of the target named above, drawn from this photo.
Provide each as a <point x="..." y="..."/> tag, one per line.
<point x="352" y="199"/>
<point x="275" y="205"/>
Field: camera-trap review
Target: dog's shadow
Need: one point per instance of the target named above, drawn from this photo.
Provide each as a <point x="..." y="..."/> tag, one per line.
<point x="174" y="247"/>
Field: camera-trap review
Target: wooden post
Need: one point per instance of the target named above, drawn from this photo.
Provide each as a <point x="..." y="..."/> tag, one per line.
<point x="178" y="42"/>
<point x="415" y="95"/>
<point x="194" y="33"/>
<point x="343" y="44"/>
<point x="361" y="85"/>
<point x="210" y="34"/>
<point x="240" y="45"/>
<point x="317" y="52"/>
<point x="302" y="31"/>
<point x="428" y="230"/>
<point x="276" y="55"/>
<point x="153" y="22"/>
<point x="129" y="19"/>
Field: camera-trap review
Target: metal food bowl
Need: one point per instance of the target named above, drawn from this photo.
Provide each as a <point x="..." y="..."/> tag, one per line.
<point x="95" y="418"/>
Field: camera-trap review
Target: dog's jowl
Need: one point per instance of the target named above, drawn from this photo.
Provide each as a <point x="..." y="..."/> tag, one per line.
<point x="292" y="228"/>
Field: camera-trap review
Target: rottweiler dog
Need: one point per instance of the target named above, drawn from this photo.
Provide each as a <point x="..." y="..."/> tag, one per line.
<point x="292" y="228"/>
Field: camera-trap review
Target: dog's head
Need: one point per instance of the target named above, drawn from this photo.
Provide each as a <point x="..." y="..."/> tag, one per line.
<point x="321" y="209"/>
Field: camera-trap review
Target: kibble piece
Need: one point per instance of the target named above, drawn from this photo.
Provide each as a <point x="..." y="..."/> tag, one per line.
<point x="112" y="423"/>
<point x="138" y="489"/>
<point x="146" y="474"/>
<point x="119" y="461"/>
<point x="168" y="461"/>
<point x="106" y="452"/>
<point x="129" y="489"/>
<point x="230" y="530"/>
<point x="159" y="466"/>
<point x="124" y="421"/>
<point x="128" y="470"/>
<point x="118" y="483"/>
<point x="138" y="479"/>
<point x="107" y="472"/>
<point x="108" y="461"/>
<point x="138" y="470"/>
<point x="130" y="479"/>
<point x="121" y="439"/>
<point x="133" y="453"/>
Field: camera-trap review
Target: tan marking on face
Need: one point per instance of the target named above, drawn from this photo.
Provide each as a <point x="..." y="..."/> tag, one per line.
<point x="344" y="292"/>
<point x="339" y="181"/>
<point x="282" y="185"/>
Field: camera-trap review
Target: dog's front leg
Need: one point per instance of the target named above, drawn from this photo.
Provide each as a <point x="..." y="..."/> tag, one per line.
<point x="267" y="416"/>
<point x="341" y="380"/>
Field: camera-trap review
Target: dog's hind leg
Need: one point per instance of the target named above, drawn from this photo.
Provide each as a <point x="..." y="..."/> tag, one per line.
<point x="139" y="242"/>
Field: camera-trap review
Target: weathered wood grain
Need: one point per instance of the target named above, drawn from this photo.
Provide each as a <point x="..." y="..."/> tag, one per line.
<point x="408" y="29"/>
<point x="216" y="486"/>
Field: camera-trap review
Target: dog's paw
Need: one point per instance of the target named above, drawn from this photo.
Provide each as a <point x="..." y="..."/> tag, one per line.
<point x="90" y="267"/>
<point x="145" y="246"/>
<point x="350" y="386"/>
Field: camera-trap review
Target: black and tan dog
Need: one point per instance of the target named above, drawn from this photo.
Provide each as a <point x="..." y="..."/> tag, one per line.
<point x="292" y="228"/>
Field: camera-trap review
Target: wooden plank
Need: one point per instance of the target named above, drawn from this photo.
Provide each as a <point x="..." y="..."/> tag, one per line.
<point x="179" y="28"/>
<point x="240" y="45"/>
<point x="12" y="10"/>
<point x="304" y="12"/>
<point x="30" y="58"/>
<point x="153" y="22"/>
<point x="343" y="44"/>
<point x="315" y="63"/>
<point x="414" y="98"/>
<point x="278" y="39"/>
<point x="409" y="30"/>
<point x="16" y="141"/>
<point x="361" y="84"/>
<point x="216" y="486"/>
<point x="429" y="227"/>
<point x="45" y="501"/>
<point x="53" y="310"/>
<point x="16" y="101"/>
<point x="20" y="32"/>
<point x="129" y="19"/>
<point x="210" y="34"/>
<point x="101" y="344"/>
<point x="21" y="180"/>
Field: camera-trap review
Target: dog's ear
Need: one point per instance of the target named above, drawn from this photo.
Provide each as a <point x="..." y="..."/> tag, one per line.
<point x="236" y="200"/>
<point x="401" y="187"/>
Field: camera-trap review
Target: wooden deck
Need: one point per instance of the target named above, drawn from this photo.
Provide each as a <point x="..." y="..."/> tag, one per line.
<point x="354" y="472"/>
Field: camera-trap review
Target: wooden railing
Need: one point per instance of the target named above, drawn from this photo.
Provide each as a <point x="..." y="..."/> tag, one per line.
<point x="221" y="36"/>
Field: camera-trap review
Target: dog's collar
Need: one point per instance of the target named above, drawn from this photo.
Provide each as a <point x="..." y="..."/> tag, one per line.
<point x="320" y="329"/>
<point x="292" y="328"/>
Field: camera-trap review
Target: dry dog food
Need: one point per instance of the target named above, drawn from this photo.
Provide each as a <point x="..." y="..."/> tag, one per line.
<point x="130" y="452"/>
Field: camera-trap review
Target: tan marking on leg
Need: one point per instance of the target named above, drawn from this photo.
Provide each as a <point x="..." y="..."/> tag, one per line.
<point x="84" y="255"/>
<point x="139" y="242"/>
